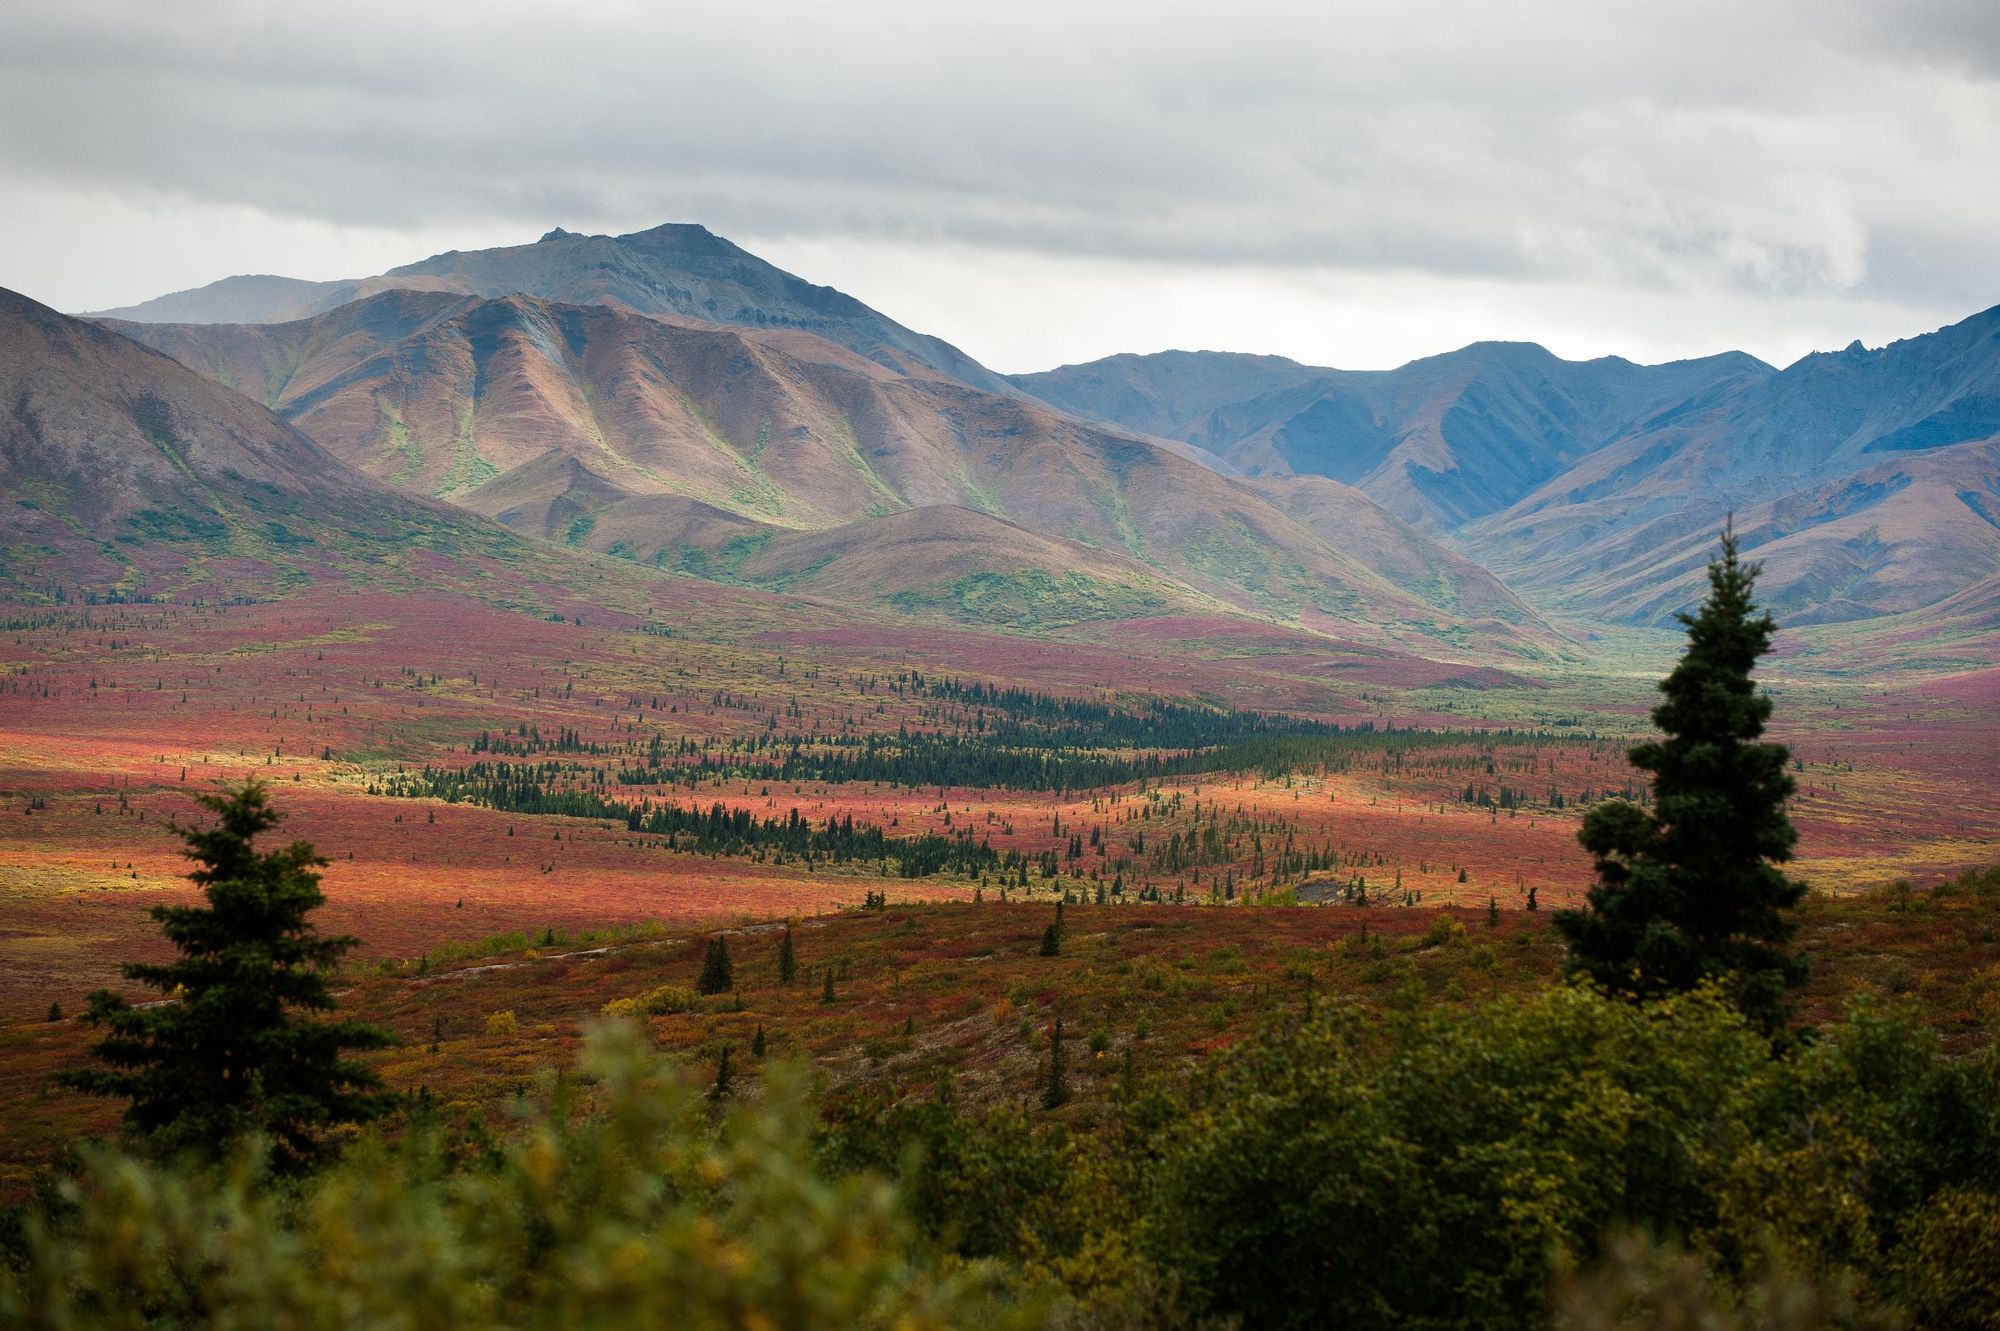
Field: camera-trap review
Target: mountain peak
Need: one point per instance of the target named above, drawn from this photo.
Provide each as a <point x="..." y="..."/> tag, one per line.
<point x="679" y="237"/>
<point x="676" y="268"/>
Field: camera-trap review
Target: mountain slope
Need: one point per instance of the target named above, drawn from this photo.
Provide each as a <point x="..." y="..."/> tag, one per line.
<point x="130" y="472"/>
<point x="675" y="269"/>
<point x="442" y="394"/>
<point x="1344" y="517"/>
<point x="1898" y="536"/>
<point x="1439" y="442"/>
<point x="965" y="565"/>
<point x="1627" y="514"/>
<point x="1172" y="394"/>
<point x="665" y="440"/>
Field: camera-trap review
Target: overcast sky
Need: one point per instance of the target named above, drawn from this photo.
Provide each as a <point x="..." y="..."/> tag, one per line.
<point x="1351" y="185"/>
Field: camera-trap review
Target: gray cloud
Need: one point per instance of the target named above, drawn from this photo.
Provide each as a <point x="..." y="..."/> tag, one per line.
<point x="1737" y="154"/>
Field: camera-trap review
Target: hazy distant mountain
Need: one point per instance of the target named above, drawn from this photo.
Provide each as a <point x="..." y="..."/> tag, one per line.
<point x="1846" y="464"/>
<point x="1172" y="394"/>
<point x="1598" y="487"/>
<point x="1439" y="442"/>
<point x="673" y="269"/>
<point x="127" y="469"/>
<point x="715" y="449"/>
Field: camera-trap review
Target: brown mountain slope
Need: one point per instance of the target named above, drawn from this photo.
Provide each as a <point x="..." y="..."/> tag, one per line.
<point x="1898" y="536"/>
<point x="559" y="498"/>
<point x="442" y="394"/>
<point x="482" y="402"/>
<point x="280" y="364"/>
<point x="1346" y="518"/>
<point x="128" y="471"/>
<point x="961" y="564"/>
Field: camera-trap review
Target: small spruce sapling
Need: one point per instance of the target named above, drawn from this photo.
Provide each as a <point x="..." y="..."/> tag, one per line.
<point x="1052" y="937"/>
<point x="725" y="1077"/>
<point x="1056" y="1093"/>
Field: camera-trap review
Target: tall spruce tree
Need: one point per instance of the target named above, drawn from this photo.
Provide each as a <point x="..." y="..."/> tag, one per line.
<point x="1689" y="891"/>
<point x="236" y="1049"/>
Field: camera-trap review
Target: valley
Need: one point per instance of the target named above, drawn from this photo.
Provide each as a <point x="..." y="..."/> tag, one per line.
<point x="389" y="725"/>
<point x="630" y="583"/>
<point x="1040" y="747"/>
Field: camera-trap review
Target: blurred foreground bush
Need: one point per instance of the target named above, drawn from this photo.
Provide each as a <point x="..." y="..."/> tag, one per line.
<point x="619" y="1203"/>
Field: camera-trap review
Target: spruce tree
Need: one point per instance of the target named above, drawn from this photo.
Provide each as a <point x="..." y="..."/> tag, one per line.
<point x="788" y="962"/>
<point x="1056" y="1093"/>
<point x="1053" y="935"/>
<point x="236" y="1048"/>
<point x="1689" y="891"/>
<point x="725" y="1077"/>
<point x="717" y="971"/>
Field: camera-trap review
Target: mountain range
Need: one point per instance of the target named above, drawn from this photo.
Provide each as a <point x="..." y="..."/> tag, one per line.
<point x="1439" y="442"/>
<point x="1863" y="479"/>
<point x="669" y="398"/>
<point x="718" y="449"/>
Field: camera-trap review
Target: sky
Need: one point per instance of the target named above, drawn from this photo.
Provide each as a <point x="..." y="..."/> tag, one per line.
<point x="1346" y="184"/>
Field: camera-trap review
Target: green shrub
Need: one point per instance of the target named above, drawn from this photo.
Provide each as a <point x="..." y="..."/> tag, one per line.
<point x="1948" y="1271"/>
<point x="667" y="999"/>
<point x="1437" y="1172"/>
